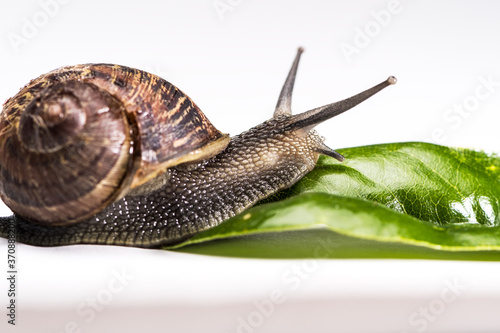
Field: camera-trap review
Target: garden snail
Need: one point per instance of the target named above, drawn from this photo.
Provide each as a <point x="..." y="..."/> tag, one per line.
<point x="106" y="154"/>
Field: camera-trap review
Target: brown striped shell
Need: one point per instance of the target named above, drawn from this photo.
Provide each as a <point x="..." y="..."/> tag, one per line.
<point x="78" y="138"/>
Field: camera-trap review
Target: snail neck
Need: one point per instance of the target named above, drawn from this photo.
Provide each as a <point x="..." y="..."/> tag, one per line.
<point x="255" y="165"/>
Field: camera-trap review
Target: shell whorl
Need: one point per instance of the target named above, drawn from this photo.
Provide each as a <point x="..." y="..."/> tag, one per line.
<point x="56" y="117"/>
<point x="76" y="139"/>
<point x="66" y="154"/>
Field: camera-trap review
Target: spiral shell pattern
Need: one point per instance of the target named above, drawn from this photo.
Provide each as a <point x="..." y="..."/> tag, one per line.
<point x="76" y="139"/>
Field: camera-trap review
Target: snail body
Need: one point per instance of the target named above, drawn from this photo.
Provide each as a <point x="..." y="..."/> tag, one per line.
<point x="106" y="154"/>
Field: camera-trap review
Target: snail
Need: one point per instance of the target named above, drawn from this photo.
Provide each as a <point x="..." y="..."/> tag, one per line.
<point x="107" y="154"/>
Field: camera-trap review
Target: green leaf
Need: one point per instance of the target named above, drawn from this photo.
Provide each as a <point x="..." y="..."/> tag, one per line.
<point x="432" y="183"/>
<point x="404" y="200"/>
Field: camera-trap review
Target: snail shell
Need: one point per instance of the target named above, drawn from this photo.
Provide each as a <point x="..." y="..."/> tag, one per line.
<point x="78" y="138"/>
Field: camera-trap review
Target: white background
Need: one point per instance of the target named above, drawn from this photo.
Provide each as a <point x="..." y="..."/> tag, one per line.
<point x="231" y="57"/>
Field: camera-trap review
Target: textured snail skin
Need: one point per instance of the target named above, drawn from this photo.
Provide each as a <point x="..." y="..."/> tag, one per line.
<point x="190" y="199"/>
